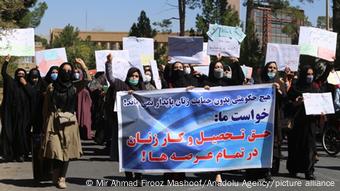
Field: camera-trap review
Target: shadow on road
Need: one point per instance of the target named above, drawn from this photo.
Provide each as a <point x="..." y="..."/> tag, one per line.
<point x="25" y="183"/>
<point x="329" y="167"/>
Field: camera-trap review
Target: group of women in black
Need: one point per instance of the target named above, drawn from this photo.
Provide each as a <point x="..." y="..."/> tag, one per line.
<point x="35" y="102"/>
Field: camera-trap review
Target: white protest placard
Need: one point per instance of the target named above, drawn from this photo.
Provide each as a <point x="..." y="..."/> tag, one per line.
<point x="225" y="40"/>
<point x="334" y="78"/>
<point x="120" y="62"/>
<point x="317" y="42"/>
<point x="318" y="103"/>
<point x="285" y="55"/>
<point x="216" y="30"/>
<point x="17" y="42"/>
<point x="141" y="50"/>
<point x="188" y="50"/>
<point x="51" y="57"/>
<point x="155" y="74"/>
<point x="225" y="46"/>
<point x="247" y="71"/>
<point x="202" y="69"/>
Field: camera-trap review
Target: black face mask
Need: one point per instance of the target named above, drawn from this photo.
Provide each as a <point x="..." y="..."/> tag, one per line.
<point x="18" y="77"/>
<point x="178" y="74"/>
<point x="65" y="76"/>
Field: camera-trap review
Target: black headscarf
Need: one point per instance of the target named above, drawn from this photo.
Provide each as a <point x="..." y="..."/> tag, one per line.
<point x="140" y="85"/>
<point x="177" y="77"/>
<point x="212" y="80"/>
<point x="64" y="94"/>
<point x="152" y="82"/>
<point x="301" y="83"/>
<point x="264" y="73"/>
<point x="16" y="74"/>
<point x="48" y="78"/>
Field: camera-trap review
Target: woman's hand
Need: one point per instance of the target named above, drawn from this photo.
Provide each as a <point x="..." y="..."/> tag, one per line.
<point x="80" y="62"/>
<point x="206" y="87"/>
<point x="190" y="87"/>
<point x="109" y="58"/>
<point x="7" y="58"/>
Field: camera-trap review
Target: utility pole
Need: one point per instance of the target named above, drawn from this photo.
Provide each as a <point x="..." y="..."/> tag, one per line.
<point x="327" y="14"/>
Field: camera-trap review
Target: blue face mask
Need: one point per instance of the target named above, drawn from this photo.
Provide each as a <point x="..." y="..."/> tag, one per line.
<point x="54" y="76"/>
<point x="310" y="79"/>
<point x="133" y="82"/>
<point x="271" y="75"/>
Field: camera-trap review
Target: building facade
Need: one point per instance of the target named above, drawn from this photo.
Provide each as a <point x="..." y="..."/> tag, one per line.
<point x="269" y="24"/>
<point x="110" y="40"/>
<point x="235" y="5"/>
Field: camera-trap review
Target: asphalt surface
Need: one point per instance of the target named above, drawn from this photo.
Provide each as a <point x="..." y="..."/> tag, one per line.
<point x="94" y="171"/>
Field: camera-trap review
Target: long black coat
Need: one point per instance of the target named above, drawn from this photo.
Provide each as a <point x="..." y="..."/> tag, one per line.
<point x="15" y="116"/>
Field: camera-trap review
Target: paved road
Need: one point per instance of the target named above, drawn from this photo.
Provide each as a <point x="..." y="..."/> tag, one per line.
<point x="95" y="168"/>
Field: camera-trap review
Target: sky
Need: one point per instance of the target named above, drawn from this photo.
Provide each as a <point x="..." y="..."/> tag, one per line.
<point x="119" y="15"/>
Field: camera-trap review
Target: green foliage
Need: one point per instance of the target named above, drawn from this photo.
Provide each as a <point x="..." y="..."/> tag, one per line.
<point x="165" y="26"/>
<point x="22" y="14"/>
<point x="76" y="47"/>
<point x="215" y="12"/>
<point x="321" y="22"/>
<point x="143" y="27"/>
<point x="67" y="38"/>
<point x="43" y="40"/>
<point x="251" y="53"/>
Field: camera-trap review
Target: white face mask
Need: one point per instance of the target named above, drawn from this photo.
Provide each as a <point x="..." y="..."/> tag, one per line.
<point x="228" y="75"/>
<point x="187" y="71"/>
<point x="147" y="78"/>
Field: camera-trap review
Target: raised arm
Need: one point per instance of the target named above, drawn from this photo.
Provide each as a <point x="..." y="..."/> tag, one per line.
<point x="84" y="68"/>
<point x="4" y="67"/>
<point x="108" y="70"/>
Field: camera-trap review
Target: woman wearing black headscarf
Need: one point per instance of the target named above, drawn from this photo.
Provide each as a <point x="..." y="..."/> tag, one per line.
<point x="51" y="75"/>
<point x="61" y="131"/>
<point x="301" y="139"/>
<point x="269" y="74"/>
<point x="39" y="86"/>
<point x="133" y="82"/>
<point x="15" y="114"/>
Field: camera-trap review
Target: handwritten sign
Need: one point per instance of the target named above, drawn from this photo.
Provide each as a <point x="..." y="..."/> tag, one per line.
<point x="224" y="128"/>
<point x="17" y="42"/>
<point x="141" y="50"/>
<point x="285" y="55"/>
<point x="51" y="57"/>
<point x="334" y="78"/>
<point x="216" y="31"/>
<point x="317" y="42"/>
<point x="224" y="46"/>
<point x="318" y="103"/>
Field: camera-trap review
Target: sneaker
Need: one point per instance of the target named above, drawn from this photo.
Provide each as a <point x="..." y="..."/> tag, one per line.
<point x="61" y="183"/>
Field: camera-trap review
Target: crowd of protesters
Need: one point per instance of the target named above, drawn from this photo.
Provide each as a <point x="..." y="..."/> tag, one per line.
<point x="68" y="105"/>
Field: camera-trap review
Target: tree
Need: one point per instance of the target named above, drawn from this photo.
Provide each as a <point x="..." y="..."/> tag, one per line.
<point x="22" y="14"/>
<point x="68" y="37"/>
<point x="215" y="11"/>
<point x="143" y="27"/>
<point x="251" y="54"/>
<point x="321" y="22"/>
<point x="164" y="26"/>
<point x="76" y="47"/>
